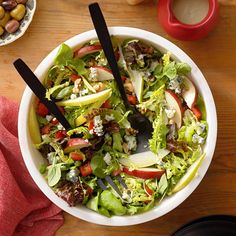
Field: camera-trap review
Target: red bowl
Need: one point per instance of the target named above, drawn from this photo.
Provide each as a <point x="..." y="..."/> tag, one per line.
<point x="183" y="31"/>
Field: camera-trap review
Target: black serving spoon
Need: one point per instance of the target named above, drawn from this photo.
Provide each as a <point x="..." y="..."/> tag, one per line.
<point x="137" y="120"/>
<point x="35" y="85"/>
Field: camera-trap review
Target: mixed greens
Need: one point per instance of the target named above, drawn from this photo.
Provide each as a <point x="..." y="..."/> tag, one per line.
<point x="102" y="142"/>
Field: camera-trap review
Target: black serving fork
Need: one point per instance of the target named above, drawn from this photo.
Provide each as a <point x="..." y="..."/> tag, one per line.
<point x="112" y="184"/>
<point x="136" y="119"/>
<point x="38" y="89"/>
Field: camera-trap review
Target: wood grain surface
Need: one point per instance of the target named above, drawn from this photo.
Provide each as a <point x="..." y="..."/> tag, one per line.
<point x="215" y="55"/>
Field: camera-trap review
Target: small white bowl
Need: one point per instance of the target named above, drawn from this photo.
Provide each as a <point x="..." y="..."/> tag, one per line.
<point x="33" y="158"/>
<point x="7" y="38"/>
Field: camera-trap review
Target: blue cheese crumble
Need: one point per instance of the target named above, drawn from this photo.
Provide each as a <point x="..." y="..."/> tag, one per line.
<point x="98" y="127"/>
<point x="197" y="139"/>
<point x="131" y="142"/>
<point x="93" y="74"/>
<point x="170" y="113"/>
<point x="109" y="117"/>
<point x="107" y="158"/>
<point x="175" y="84"/>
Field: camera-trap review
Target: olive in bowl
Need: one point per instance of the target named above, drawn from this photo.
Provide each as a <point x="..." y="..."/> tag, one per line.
<point x="15" y="17"/>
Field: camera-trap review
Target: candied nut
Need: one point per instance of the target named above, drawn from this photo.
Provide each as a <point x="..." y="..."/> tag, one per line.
<point x="131" y="131"/>
<point x="9" y="5"/>
<point x="99" y="87"/>
<point x="92" y="62"/>
<point x="126" y="148"/>
<point x="92" y="114"/>
<point x="18" y="12"/>
<point x="129" y="87"/>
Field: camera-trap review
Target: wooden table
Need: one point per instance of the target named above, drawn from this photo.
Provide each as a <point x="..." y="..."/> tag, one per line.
<point x="215" y="56"/>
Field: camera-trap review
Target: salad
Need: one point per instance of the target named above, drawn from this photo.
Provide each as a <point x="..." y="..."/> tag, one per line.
<point x="102" y="141"/>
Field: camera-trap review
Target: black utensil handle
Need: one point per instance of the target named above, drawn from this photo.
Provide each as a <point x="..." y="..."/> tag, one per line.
<point x="105" y="40"/>
<point x="35" y="85"/>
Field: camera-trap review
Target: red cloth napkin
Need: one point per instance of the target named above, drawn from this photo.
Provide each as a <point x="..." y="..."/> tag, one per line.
<point x="24" y="209"/>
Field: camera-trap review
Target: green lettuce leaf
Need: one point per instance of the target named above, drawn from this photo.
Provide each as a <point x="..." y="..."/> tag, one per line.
<point x="111" y="203"/>
<point x="65" y="53"/>
<point x="50" y="92"/>
<point x="54" y="174"/>
<point x="182" y="68"/>
<point x="160" y="130"/>
<point x="98" y="165"/>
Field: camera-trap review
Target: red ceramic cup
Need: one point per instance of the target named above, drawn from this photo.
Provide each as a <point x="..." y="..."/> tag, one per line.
<point x="184" y="31"/>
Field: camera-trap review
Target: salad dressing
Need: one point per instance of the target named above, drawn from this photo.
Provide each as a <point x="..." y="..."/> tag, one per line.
<point x="190" y="12"/>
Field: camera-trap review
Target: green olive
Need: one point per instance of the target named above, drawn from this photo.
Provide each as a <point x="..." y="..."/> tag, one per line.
<point x="2" y="12"/>
<point x="18" y="12"/>
<point x="1" y="30"/>
<point x="5" y="19"/>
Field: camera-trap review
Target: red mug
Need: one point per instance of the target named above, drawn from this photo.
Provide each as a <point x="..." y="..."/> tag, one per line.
<point x="186" y="31"/>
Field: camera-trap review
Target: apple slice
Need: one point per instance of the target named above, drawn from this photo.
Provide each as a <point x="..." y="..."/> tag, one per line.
<point x="85" y="100"/>
<point x="88" y="85"/>
<point x="145" y="173"/>
<point x="34" y="126"/>
<point x="189" y="175"/>
<point x="81" y="119"/>
<point x="174" y="102"/>
<point x="101" y="73"/>
<point x="189" y="94"/>
<point x="137" y="82"/>
<point x="196" y="111"/>
<point x="75" y="144"/>
<point x="143" y="159"/>
<point x="87" y="50"/>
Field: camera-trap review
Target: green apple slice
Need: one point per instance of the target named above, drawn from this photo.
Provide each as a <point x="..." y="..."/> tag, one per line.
<point x="191" y="172"/>
<point x="143" y="159"/>
<point x="138" y="83"/>
<point x="85" y="100"/>
<point x="34" y="126"/>
<point x="88" y="85"/>
<point x="81" y="119"/>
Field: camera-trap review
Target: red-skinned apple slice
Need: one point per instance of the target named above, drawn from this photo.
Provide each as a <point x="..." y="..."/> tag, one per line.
<point x="103" y="73"/>
<point x="189" y="93"/>
<point x="145" y="173"/>
<point x="75" y="144"/>
<point x="196" y="111"/>
<point x="174" y="102"/>
<point x="87" y="50"/>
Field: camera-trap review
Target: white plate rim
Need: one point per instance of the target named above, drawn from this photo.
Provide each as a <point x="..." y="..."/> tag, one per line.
<point x="167" y="204"/>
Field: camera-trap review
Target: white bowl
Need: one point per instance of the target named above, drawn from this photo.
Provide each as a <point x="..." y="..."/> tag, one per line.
<point x="33" y="158"/>
<point x="7" y="38"/>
